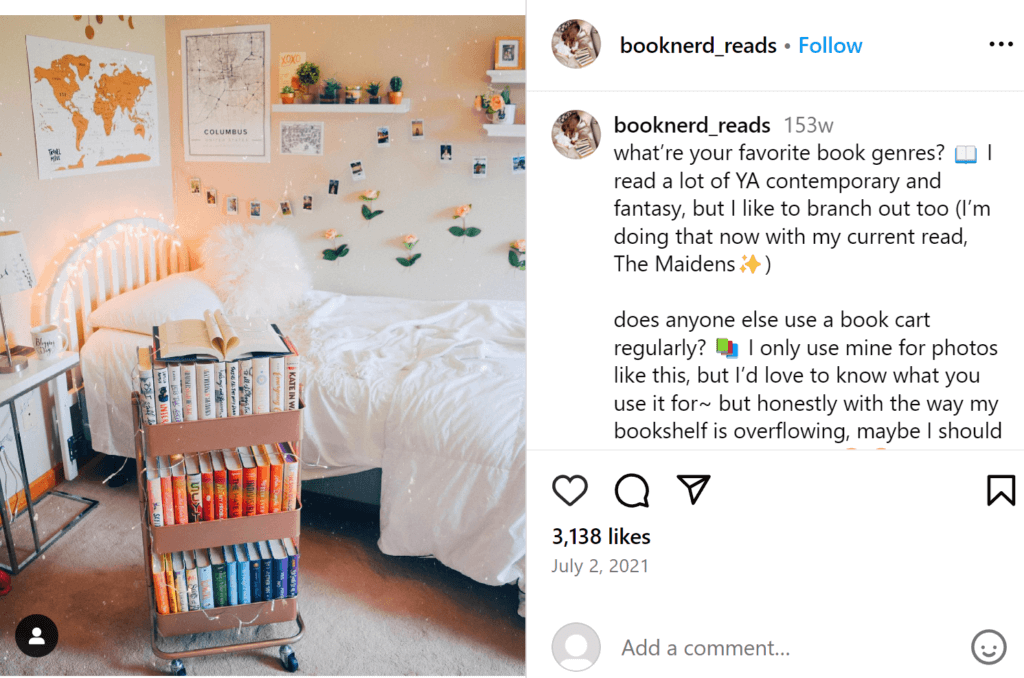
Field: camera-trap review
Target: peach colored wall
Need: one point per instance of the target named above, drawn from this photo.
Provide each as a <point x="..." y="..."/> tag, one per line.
<point x="442" y="61"/>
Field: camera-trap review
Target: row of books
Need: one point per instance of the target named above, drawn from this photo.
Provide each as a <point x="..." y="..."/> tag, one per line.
<point x="225" y="575"/>
<point x="248" y="481"/>
<point x="176" y="392"/>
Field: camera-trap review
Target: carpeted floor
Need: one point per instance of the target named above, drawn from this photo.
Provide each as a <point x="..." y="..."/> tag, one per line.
<point x="365" y="613"/>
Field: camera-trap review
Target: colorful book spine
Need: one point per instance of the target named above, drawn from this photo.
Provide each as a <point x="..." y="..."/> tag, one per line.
<point x="252" y="552"/>
<point x="249" y="479"/>
<point x="163" y="396"/>
<point x="266" y="570"/>
<point x="279" y="569"/>
<point x="262" y="481"/>
<point x="291" y="378"/>
<point x="220" y="485"/>
<point x="173" y="603"/>
<point x="180" y="582"/>
<point x="192" y="580"/>
<point x="163" y="605"/>
<point x="179" y="486"/>
<point x="194" y="481"/>
<point x="245" y="388"/>
<point x="146" y="387"/>
<point x="276" y="479"/>
<point x="234" y="382"/>
<point x="205" y="572"/>
<point x="232" y="571"/>
<point x="261" y="385"/>
<point x="220" y="393"/>
<point x="205" y="381"/>
<point x="206" y="477"/>
<point x="189" y="403"/>
<point x="244" y="575"/>
<point x="155" y="492"/>
<point x="219" y="572"/>
<point x="166" y="489"/>
<point x="290" y="482"/>
<point x="277" y="387"/>
<point x="174" y="379"/>
<point x="236" y="493"/>
<point x="293" y="567"/>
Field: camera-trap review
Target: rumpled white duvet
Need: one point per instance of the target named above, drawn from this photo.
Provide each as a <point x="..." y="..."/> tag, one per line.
<point x="431" y="392"/>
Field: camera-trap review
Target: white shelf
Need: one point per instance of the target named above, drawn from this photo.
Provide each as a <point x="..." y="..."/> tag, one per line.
<point x="505" y="130"/>
<point x="326" y="109"/>
<point x="510" y="76"/>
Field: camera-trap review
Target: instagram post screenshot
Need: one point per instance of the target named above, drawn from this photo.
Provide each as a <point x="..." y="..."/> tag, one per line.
<point x="270" y="403"/>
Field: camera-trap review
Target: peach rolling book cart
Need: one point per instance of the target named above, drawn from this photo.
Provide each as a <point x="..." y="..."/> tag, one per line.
<point x="201" y="436"/>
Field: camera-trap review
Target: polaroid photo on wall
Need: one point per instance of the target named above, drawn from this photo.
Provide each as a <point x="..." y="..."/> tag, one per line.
<point x="232" y="205"/>
<point x="195" y="186"/>
<point x="383" y="137"/>
<point x="211" y="197"/>
<point x="307" y="203"/>
<point x="446" y="154"/>
<point x="357" y="170"/>
<point x="254" y="209"/>
<point x="332" y="187"/>
<point x="417" y="129"/>
<point x="480" y="168"/>
<point x="286" y="208"/>
<point x="518" y="164"/>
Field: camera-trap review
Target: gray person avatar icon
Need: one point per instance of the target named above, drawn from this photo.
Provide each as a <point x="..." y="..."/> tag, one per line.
<point x="576" y="647"/>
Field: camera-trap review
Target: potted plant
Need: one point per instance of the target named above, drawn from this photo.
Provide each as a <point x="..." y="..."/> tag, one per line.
<point x="499" y="106"/>
<point x="352" y="94"/>
<point x="395" y="95"/>
<point x="331" y="89"/>
<point x="373" y="89"/>
<point x="287" y="95"/>
<point x="309" y="75"/>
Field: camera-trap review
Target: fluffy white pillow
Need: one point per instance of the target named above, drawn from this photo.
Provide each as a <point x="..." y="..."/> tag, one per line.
<point x="257" y="270"/>
<point x="177" y="297"/>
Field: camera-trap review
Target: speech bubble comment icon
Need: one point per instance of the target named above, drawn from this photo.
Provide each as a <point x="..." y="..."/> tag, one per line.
<point x="632" y="491"/>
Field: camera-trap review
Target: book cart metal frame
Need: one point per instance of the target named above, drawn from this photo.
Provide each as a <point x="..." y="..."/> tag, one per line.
<point x="201" y="436"/>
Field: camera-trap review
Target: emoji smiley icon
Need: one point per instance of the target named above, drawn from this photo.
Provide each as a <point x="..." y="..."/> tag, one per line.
<point x="989" y="647"/>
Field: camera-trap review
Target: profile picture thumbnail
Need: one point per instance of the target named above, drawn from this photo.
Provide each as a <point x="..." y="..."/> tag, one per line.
<point x="576" y="43"/>
<point x="576" y="134"/>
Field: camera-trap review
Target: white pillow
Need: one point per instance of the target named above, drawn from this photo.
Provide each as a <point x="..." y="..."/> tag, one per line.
<point x="181" y="296"/>
<point x="256" y="270"/>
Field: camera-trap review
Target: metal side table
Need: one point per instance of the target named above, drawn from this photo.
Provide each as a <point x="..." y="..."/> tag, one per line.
<point x="12" y="387"/>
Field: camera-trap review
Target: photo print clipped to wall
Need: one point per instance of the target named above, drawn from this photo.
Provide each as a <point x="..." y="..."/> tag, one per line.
<point x="445" y="154"/>
<point x="358" y="174"/>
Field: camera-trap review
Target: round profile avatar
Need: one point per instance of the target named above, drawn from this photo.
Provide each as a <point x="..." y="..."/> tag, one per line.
<point x="576" y="134"/>
<point x="576" y="647"/>
<point x="576" y="43"/>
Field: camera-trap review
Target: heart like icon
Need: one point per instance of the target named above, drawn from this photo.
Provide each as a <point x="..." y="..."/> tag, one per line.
<point x="569" y="488"/>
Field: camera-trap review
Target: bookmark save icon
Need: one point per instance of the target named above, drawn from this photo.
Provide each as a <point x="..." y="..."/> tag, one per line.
<point x="695" y="486"/>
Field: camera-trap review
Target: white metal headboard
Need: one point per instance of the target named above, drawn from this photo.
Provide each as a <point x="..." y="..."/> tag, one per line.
<point x="120" y="257"/>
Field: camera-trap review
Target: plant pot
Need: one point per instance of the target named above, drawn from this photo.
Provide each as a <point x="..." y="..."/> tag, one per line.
<point x="287" y="98"/>
<point x="506" y="116"/>
<point x="374" y="99"/>
<point x="308" y="98"/>
<point x="353" y="94"/>
<point x="394" y="97"/>
<point x="324" y="99"/>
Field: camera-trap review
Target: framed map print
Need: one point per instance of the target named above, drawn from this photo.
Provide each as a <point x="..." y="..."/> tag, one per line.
<point x="94" y="109"/>
<point x="226" y="93"/>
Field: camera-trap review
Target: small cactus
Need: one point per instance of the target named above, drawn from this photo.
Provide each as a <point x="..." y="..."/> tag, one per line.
<point x="396" y="84"/>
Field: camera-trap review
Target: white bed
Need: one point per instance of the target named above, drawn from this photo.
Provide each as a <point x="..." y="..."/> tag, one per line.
<point x="431" y="392"/>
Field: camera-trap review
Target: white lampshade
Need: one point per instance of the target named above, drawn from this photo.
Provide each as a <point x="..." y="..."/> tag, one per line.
<point x="15" y="268"/>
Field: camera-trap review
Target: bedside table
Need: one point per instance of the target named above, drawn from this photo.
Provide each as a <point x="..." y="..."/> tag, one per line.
<point x="12" y="387"/>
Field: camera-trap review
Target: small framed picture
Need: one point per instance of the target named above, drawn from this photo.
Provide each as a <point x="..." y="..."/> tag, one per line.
<point x="518" y="164"/>
<point x="479" y="168"/>
<point x="211" y="197"/>
<point x="446" y="154"/>
<point x="383" y="137"/>
<point x="508" y="54"/>
<point x="254" y="209"/>
<point x="232" y="205"/>
<point x="307" y="203"/>
<point x="417" y="129"/>
<point x="332" y="187"/>
<point x="286" y="208"/>
<point x="357" y="170"/>
<point x="195" y="186"/>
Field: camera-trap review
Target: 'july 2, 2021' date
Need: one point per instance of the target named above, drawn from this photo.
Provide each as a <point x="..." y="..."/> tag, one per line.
<point x="596" y="536"/>
<point x="595" y="566"/>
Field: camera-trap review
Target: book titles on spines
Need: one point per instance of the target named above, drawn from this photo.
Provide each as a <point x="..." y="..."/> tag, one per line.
<point x="223" y="576"/>
<point x="221" y="484"/>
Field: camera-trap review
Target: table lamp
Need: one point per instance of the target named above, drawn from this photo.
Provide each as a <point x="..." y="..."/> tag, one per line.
<point x="15" y="276"/>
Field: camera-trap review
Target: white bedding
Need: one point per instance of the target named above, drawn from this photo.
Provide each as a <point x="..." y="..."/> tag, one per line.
<point x="431" y="392"/>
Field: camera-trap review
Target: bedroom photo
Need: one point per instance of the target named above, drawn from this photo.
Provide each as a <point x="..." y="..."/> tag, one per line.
<point x="261" y="438"/>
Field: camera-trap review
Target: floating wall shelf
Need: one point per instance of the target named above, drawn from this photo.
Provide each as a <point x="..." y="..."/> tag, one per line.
<point x="511" y="77"/>
<point x="327" y="109"/>
<point x="505" y="130"/>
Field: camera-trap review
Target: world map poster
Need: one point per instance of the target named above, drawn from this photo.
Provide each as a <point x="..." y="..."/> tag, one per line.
<point x="94" y="108"/>
<point x="226" y="90"/>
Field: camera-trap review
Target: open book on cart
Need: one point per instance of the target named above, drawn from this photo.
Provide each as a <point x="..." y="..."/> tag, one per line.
<point x="218" y="337"/>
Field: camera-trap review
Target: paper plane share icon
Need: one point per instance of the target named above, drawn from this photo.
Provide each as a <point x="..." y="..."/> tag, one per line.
<point x="695" y="486"/>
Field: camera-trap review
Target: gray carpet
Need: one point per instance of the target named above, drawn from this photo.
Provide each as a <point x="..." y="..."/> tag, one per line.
<point x="365" y="613"/>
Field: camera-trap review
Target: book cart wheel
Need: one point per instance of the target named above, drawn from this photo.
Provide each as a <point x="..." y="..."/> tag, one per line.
<point x="177" y="668"/>
<point x="288" y="659"/>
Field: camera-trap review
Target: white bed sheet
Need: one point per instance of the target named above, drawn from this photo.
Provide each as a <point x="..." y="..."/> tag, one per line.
<point x="432" y="392"/>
